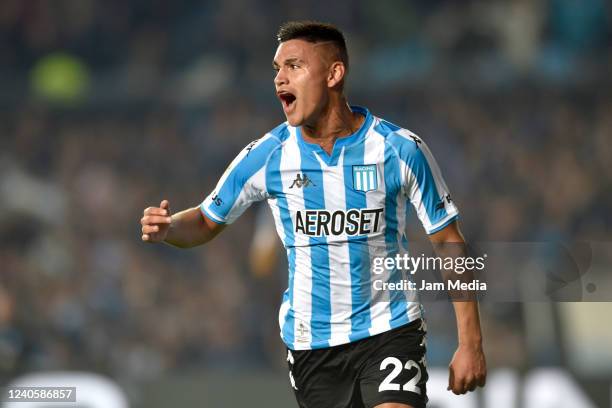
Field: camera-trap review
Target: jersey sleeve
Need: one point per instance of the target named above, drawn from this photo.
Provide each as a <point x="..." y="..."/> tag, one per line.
<point x="242" y="183"/>
<point x="425" y="187"/>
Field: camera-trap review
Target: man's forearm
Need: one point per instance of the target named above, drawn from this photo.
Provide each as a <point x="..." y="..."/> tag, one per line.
<point x="468" y="323"/>
<point x="465" y="301"/>
<point x="190" y="228"/>
<point x="468" y="368"/>
<point x="450" y="243"/>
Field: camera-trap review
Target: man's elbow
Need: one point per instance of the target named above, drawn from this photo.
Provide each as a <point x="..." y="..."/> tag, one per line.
<point x="449" y="234"/>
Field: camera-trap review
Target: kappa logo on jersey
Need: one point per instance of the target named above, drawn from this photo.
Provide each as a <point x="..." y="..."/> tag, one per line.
<point x="302" y="181"/>
<point x="365" y="177"/>
<point x="250" y="146"/>
<point x="316" y="223"/>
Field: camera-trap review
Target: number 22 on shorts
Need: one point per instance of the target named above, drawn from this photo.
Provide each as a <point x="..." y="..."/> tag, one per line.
<point x="388" y="385"/>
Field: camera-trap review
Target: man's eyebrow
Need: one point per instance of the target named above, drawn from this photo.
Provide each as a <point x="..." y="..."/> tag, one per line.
<point x="287" y="61"/>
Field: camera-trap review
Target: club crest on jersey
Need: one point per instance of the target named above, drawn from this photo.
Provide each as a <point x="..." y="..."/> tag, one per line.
<point x="365" y="177"/>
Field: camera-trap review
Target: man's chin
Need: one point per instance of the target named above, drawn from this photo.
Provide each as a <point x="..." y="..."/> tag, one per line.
<point x="293" y="120"/>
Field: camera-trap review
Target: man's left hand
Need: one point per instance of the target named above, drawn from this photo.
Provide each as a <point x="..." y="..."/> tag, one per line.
<point x="467" y="369"/>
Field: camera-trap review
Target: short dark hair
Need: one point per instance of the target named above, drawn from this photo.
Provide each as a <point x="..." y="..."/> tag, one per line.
<point x="314" y="32"/>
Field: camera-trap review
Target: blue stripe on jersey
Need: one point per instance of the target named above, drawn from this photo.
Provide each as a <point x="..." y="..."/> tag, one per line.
<point x="250" y="164"/>
<point x="359" y="259"/>
<point x="393" y="185"/>
<point x="275" y="187"/>
<point x="314" y="198"/>
<point x="404" y="239"/>
<point x="393" y="181"/>
<point x="415" y="159"/>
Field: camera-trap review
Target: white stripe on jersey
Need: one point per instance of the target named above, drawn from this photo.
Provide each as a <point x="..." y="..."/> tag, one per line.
<point x="273" y="203"/>
<point x="302" y="284"/>
<point x="413" y="308"/>
<point x="416" y="196"/>
<point x="380" y="311"/>
<point x="251" y="189"/>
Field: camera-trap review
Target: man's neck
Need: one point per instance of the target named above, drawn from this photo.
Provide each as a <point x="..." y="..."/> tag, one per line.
<point x="336" y="121"/>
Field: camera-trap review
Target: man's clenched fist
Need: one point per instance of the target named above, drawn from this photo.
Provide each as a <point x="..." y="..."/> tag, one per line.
<point x="156" y="222"/>
<point x="467" y="369"/>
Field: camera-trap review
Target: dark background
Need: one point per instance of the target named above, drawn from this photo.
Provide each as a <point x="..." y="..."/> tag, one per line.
<point x="107" y="107"/>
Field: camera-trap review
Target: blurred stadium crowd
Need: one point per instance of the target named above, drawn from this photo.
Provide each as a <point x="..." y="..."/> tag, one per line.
<point x="108" y="107"/>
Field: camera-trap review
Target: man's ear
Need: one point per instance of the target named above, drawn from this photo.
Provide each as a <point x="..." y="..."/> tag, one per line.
<point x="336" y="74"/>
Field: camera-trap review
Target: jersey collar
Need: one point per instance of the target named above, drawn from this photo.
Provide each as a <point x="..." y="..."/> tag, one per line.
<point x="341" y="142"/>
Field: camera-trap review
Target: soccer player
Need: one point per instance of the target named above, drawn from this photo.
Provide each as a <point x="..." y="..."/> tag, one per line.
<point x="338" y="179"/>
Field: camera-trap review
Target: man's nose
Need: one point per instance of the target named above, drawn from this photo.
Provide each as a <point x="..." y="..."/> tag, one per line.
<point x="280" y="78"/>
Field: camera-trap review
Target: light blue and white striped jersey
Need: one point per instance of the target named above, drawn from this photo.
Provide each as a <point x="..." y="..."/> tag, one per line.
<point x="335" y="214"/>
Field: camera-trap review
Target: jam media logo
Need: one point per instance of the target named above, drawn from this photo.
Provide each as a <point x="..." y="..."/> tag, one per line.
<point x="365" y="177"/>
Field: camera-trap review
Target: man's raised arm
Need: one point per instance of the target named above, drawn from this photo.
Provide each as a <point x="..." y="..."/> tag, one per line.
<point x="185" y="229"/>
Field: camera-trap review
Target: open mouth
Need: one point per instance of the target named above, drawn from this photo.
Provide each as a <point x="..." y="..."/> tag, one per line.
<point x="287" y="99"/>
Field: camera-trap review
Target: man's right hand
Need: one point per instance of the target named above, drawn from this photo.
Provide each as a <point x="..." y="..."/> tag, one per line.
<point x="156" y="222"/>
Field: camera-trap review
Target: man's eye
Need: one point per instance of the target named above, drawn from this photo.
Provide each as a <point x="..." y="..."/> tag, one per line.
<point x="294" y="66"/>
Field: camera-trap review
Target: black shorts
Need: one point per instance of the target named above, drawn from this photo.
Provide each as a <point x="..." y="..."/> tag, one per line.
<point x="388" y="367"/>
